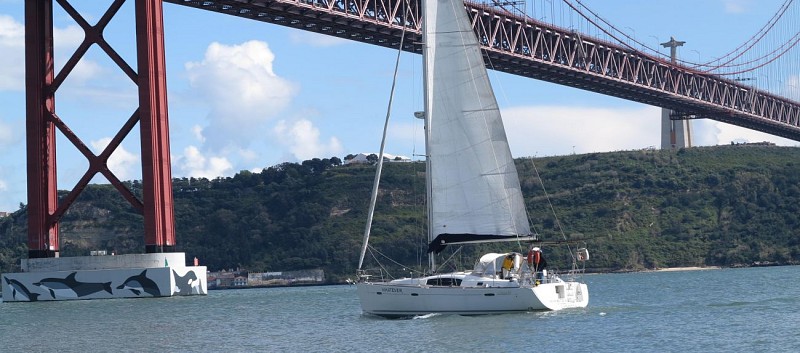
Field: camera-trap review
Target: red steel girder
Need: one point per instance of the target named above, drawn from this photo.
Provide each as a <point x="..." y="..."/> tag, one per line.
<point x="526" y="47"/>
<point x="41" y="84"/>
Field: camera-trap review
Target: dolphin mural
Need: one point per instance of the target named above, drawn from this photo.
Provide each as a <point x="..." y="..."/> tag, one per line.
<point x="19" y="291"/>
<point x="186" y="284"/>
<point x="61" y="288"/>
<point x="141" y="284"/>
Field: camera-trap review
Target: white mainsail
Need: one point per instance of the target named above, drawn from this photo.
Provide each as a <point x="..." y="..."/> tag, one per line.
<point x="474" y="190"/>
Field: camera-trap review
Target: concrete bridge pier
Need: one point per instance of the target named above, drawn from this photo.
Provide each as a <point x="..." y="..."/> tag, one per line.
<point x="104" y="277"/>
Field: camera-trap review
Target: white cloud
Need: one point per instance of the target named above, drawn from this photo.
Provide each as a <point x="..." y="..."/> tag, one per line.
<point x="8" y="136"/>
<point x="791" y="88"/>
<point x="410" y="130"/>
<point x="95" y="77"/>
<point x="705" y="132"/>
<point x="554" y="130"/>
<point x="248" y="155"/>
<point x="12" y="45"/>
<point x="197" y="131"/>
<point x="725" y="134"/>
<point x="122" y="163"/>
<point x="194" y="163"/>
<point x="303" y="140"/>
<point x="12" y="33"/>
<point x="68" y="37"/>
<point x="736" y="6"/>
<point x="243" y="91"/>
<point x="85" y="71"/>
<point x="315" y="39"/>
<point x="3" y="185"/>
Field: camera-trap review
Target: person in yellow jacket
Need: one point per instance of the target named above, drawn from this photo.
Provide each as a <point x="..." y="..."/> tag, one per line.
<point x="508" y="263"/>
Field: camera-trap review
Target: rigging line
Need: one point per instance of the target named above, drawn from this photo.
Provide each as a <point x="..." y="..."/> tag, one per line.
<point x="456" y="252"/>
<point x="380" y="265"/>
<point x="414" y="155"/>
<point x="374" y="196"/>
<point x="373" y="249"/>
<point x="552" y="209"/>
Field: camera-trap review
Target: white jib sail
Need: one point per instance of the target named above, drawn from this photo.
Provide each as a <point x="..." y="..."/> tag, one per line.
<point x="474" y="184"/>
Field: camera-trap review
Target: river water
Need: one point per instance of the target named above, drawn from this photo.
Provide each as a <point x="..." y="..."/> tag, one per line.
<point x="727" y="310"/>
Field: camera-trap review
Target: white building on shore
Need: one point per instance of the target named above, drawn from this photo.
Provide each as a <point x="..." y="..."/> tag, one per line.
<point x="362" y="158"/>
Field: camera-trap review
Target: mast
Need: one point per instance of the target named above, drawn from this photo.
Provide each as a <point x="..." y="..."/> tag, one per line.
<point x="427" y="118"/>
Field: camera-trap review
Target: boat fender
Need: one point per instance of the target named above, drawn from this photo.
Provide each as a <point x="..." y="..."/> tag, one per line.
<point x="583" y="254"/>
<point x="530" y="257"/>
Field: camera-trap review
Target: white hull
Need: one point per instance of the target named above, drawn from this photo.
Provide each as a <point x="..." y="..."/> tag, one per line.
<point x="403" y="298"/>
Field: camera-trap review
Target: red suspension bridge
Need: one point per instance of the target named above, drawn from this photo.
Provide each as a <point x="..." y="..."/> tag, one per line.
<point x="526" y="47"/>
<point x="608" y="61"/>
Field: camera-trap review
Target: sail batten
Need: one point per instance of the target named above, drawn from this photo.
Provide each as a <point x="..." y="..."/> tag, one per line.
<point x="474" y="186"/>
<point x="442" y="240"/>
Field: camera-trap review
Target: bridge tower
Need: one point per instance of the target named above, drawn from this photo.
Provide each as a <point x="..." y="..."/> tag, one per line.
<point x="44" y="208"/>
<point x="164" y="271"/>
<point x="674" y="133"/>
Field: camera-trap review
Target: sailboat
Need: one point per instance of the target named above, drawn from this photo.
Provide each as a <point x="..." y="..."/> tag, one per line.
<point x="473" y="193"/>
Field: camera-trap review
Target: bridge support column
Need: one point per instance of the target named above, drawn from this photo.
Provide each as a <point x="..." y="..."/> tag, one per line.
<point x="40" y="130"/>
<point x="675" y="133"/>
<point x="156" y="174"/>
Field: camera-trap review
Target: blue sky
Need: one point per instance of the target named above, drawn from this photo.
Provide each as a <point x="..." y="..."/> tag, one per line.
<point x="245" y="95"/>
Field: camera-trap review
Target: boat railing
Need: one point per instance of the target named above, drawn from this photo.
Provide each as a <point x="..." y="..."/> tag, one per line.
<point x="548" y="276"/>
<point x="372" y="275"/>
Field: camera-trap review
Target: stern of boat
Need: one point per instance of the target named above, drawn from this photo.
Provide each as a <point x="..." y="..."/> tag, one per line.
<point x="562" y="295"/>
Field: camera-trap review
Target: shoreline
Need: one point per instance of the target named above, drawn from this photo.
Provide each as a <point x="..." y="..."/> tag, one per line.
<point x="688" y="268"/>
<point x="663" y="269"/>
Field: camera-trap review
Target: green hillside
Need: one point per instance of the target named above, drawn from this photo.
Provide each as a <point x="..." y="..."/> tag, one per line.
<point x="723" y="206"/>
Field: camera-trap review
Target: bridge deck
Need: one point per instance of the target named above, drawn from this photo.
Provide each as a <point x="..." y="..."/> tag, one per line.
<point x="528" y="48"/>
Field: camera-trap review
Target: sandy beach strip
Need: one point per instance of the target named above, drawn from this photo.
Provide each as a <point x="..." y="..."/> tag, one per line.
<point x="691" y="268"/>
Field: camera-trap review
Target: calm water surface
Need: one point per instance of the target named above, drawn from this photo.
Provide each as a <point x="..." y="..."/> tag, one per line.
<point x="729" y="310"/>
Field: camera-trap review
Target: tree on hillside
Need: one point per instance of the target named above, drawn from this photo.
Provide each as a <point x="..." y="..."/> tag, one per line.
<point x="372" y="158"/>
